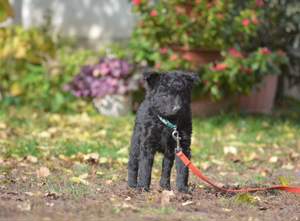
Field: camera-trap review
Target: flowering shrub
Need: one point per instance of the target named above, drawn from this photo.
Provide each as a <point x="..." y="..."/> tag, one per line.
<point x="207" y="24"/>
<point x="6" y="10"/>
<point x="108" y="76"/>
<point x="239" y="72"/>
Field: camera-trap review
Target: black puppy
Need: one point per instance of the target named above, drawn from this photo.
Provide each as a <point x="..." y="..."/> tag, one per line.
<point x="168" y="96"/>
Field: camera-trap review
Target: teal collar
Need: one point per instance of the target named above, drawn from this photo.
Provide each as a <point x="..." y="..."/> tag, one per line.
<point x="167" y="123"/>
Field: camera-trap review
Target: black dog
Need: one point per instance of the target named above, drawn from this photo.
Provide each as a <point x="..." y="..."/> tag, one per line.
<point x="168" y="96"/>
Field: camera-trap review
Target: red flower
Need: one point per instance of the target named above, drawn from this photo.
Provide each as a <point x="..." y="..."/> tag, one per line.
<point x="246" y="22"/>
<point x="219" y="67"/>
<point x="254" y="20"/>
<point x="281" y="53"/>
<point x="136" y="2"/>
<point x="197" y="1"/>
<point x="235" y="53"/>
<point x="163" y="50"/>
<point x="220" y="16"/>
<point x="248" y="71"/>
<point x="259" y="3"/>
<point x="265" y="51"/>
<point x="157" y="65"/>
<point x="153" y="13"/>
<point x="173" y="57"/>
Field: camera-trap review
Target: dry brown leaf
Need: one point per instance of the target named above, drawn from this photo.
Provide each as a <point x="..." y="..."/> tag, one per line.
<point x="166" y="197"/>
<point x="24" y="206"/>
<point x="43" y="172"/>
<point x="31" y="159"/>
<point x="230" y="150"/>
<point x="91" y="157"/>
<point x="186" y="203"/>
<point x="273" y="159"/>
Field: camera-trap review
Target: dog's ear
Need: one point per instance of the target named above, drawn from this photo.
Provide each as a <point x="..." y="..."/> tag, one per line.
<point x="192" y="77"/>
<point x="151" y="77"/>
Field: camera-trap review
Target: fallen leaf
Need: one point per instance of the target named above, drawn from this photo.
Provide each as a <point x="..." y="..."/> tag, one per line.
<point x="44" y="134"/>
<point x="283" y="180"/>
<point x="52" y="195"/>
<point x="245" y="198"/>
<point x="166" y="197"/>
<point x="79" y="180"/>
<point x="227" y="210"/>
<point x="3" y="125"/>
<point x="91" y="158"/>
<point x="28" y="193"/>
<point x="31" y="159"/>
<point x="43" y="172"/>
<point x="186" y="203"/>
<point x="49" y="204"/>
<point x="288" y="166"/>
<point x="230" y="150"/>
<point x="25" y="206"/>
<point x="103" y="160"/>
<point x="273" y="159"/>
<point x="84" y="176"/>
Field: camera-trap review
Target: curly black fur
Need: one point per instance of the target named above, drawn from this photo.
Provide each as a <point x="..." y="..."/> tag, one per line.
<point x="167" y="95"/>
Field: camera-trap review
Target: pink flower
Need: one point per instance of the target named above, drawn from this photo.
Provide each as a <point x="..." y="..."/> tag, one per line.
<point x="163" y="50"/>
<point x="235" y="53"/>
<point x="265" y="51"/>
<point x="246" y="22"/>
<point x="136" y="2"/>
<point x="259" y="3"/>
<point x="153" y="13"/>
<point x="219" y="67"/>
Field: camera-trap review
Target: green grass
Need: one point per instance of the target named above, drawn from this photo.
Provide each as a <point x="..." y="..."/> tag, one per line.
<point x="26" y="132"/>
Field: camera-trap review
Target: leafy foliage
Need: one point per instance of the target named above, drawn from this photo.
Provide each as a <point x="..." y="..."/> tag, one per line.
<point x="5" y="10"/>
<point x="165" y="26"/>
<point x="239" y="73"/>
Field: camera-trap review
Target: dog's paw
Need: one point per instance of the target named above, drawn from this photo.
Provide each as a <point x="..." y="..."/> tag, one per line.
<point x="183" y="189"/>
<point x="165" y="185"/>
<point x="143" y="188"/>
<point x="131" y="184"/>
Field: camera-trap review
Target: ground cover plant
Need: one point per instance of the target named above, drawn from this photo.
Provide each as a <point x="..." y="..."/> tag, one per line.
<point x="73" y="166"/>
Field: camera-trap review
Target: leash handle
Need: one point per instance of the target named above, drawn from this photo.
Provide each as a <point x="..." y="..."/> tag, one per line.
<point x="199" y="174"/>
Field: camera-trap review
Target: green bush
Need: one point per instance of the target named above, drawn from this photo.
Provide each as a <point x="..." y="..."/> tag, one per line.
<point x="33" y="71"/>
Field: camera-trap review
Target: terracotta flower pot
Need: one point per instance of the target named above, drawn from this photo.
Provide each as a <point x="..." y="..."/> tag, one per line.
<point x="207" y="107"/>
<point x="261" y="100"/>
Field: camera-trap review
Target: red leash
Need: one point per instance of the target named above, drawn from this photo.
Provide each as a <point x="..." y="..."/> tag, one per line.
<point x="199" y="174"/>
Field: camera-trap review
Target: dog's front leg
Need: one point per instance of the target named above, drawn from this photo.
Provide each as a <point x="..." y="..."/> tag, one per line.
<point x="182" y="172"/>
<point x="167" y="165"/>
<point x="145" y="168"/>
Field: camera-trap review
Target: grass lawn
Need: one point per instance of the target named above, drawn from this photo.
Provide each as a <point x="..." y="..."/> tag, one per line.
<point x="73" y="167"/>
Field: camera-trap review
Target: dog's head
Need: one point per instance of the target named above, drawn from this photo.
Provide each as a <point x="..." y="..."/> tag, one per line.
<point x="170" y="93"/>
